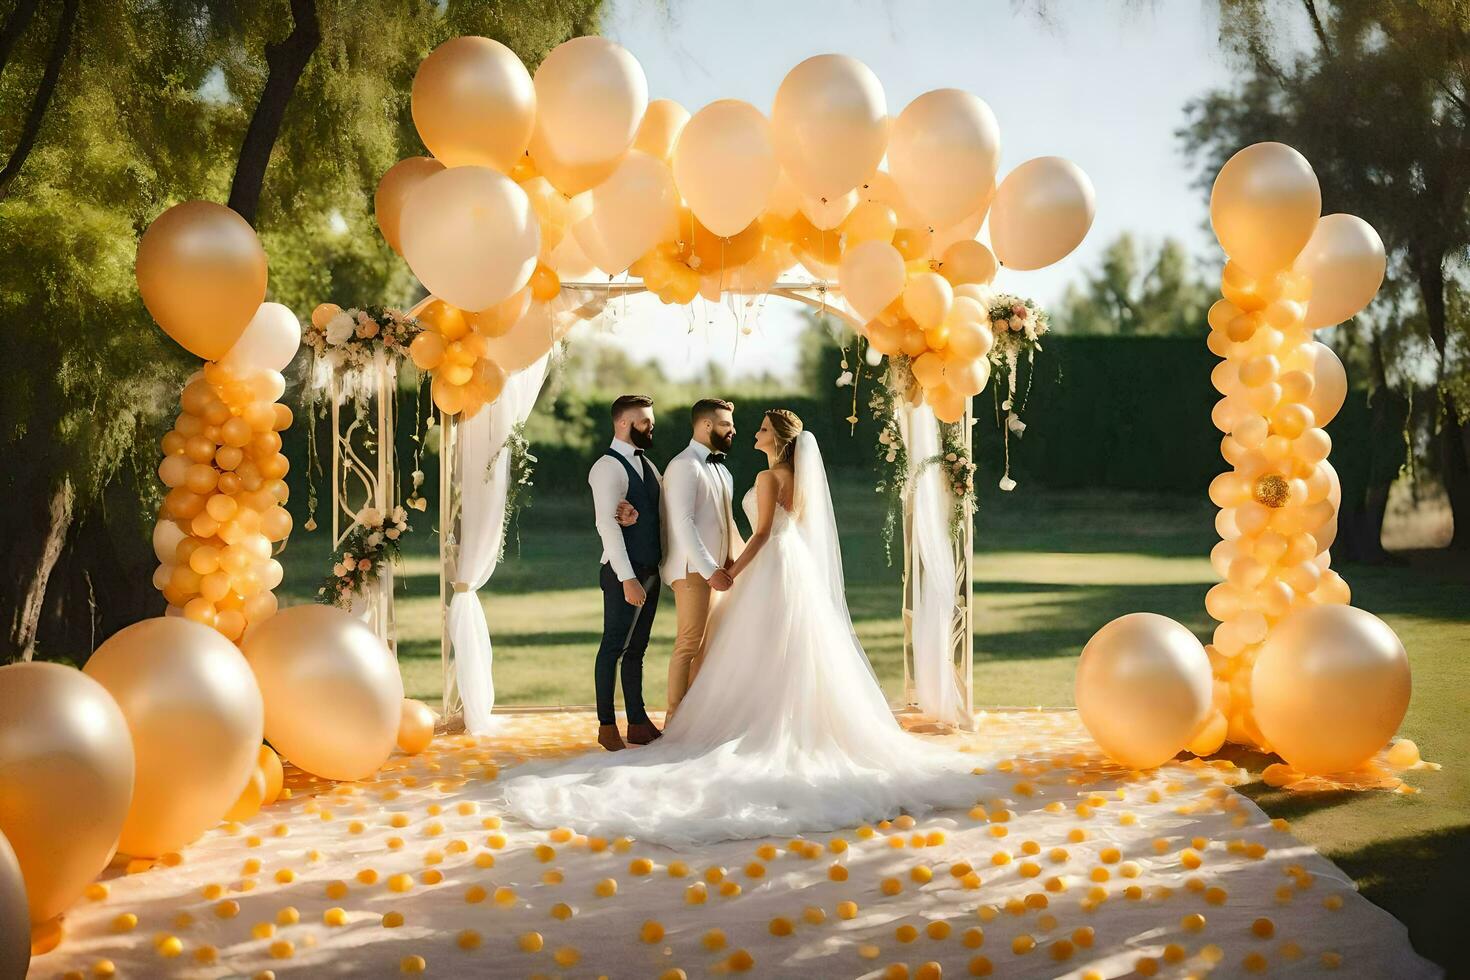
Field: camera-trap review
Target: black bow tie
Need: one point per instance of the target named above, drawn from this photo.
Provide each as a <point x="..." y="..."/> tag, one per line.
<point x="637" y="452"/>
<point x="716" y="458"/>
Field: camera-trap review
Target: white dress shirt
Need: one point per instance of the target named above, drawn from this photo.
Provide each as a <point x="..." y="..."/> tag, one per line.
<point x="609" y="482"/>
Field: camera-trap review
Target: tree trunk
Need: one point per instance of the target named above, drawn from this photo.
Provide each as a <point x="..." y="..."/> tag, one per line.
<point x="1453" y="460"/>
<point x="286" y="61"/>
<point x="42" y="99"/>
<point x="31" y="571"/>
<point x="14" y="26"/>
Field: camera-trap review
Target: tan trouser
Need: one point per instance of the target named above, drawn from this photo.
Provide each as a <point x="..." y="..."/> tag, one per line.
<point x="691" y="602"/>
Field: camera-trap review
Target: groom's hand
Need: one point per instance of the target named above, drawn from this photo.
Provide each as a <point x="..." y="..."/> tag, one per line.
<point x="633" y="593"/>
<point x="626" y="514"/>
<point x="720" y="580"/>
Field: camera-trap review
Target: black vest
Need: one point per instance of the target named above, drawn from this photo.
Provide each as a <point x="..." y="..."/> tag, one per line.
<point x="644" y="540"/>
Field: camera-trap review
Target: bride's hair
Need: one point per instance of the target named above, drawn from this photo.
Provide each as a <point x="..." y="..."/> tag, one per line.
<point x="787" y="427"/>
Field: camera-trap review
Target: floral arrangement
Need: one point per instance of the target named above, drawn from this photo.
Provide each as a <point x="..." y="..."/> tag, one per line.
<point x="1018" y="325"/>
<point x="372" y="543"/>
<point x="352" y="338"/>
<point x="893" y="459"/>
<point x="959" y="471"/>
<point x="521" y="482"/>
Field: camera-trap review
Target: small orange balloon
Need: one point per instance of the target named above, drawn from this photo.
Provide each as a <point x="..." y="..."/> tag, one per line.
<point x="544" y="283"/>
<point x="202" y="273"/>
<point x="251" y="798"/>
<point x="427" y="351"/>
<point x="275" y="776"/>
<point x="416" y="727"/>
<point x="444" y="319"/>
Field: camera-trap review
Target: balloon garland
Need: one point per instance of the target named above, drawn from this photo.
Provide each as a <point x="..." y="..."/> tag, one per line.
<point x="536" y="180"/>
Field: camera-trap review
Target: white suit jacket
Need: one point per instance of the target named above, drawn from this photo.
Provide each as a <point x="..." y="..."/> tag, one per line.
<point x="609" y="482"/>
<point x="699" y="515"/>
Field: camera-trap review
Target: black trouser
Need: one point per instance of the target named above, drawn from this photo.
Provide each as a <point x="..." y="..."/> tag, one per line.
<point x="625" y="630"/>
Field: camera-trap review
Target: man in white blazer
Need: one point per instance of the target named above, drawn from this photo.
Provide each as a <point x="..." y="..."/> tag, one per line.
<point x="703" y="540"/>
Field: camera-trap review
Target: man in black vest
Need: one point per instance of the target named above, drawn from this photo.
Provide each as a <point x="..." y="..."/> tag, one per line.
<point x="631" y="553"/>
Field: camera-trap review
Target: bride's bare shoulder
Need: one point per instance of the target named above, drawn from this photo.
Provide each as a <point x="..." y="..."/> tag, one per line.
<point x="780" y="480"/>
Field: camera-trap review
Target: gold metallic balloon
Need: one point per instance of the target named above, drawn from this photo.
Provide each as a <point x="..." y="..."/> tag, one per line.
<point x="1330" y="687"/>
<point x="393" y="190"/>
<point x="1264" y="206"/>
<point x="474" y="104"/>
<point x="202" y="273"/>
<point x="15" y="919"/>
<point x="416" y="729"/>
<point x="331" y="687"/>
<point x="1143" y="688"/>
<point x="196" y="719"/>
<point x="66" y="777"/>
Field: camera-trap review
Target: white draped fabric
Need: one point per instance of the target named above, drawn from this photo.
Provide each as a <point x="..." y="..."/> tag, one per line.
<point x="932" y="570"/>
<point x="484" y="468"/>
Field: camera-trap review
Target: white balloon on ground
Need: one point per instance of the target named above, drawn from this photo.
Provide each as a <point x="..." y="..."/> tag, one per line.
<point x="725" y="165"/>
<point x="1329" y="687"/>
<point x="632" y="211"/>
<point x="591" y="94"/>
<point x="944" y="152"/>
<point x="830" y="125"/>
<point x="1143" y="688"/>
<point x="269" y="342"/>
<point x="871" y="275"/>
<point x="471" y="236"/>
<point x="1041" y="212"/>
<point x="1346" y="262"/>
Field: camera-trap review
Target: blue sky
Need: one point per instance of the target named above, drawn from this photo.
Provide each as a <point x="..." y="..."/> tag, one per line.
<point x="1102" y="83"/>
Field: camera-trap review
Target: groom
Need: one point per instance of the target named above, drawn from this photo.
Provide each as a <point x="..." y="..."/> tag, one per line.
<point x="632" y="550"/>
<point x="703" y="537"/>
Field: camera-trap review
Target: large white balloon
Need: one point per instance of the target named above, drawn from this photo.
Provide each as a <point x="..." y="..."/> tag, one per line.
<point x="944" y="153"/>
<point x="632" y="211"/>
<point x="591" y="94"/>
<point x="725" y="165"/>
<point x="830" y="122"/>
<point x="1346" y="261"/>
<point x="872" y="276"/>
<point x="1143" y="688"/>
<point x="471" y="236"/>
<point x="269" y="342"/>
<point x="1043" y="210"/>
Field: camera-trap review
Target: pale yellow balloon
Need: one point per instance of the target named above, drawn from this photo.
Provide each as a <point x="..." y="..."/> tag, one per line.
<point x="725" y="165"/>
<point x="632" y="211"/>
<point x="1042" y="211"/>
<point x="196" y="719"/>
<point x="880" y="187"/>
<point x="871" y="275"/>
<point x="201" y="272"/>
<point x="15" y="919"/>
<point x="532" y="336"/>
<point x="968" y="377"/>
<point x="591" y="94"/>
<point x="1329" y="388"/>
<point x="927" y="298"/>
<point x="66" y="777"/>
<point x="1143" y="688"/>
<point x="944" y="152"/>
<point x="947" y="404"/>
<point x="1330" y="686"/>
<point x="416" y="727"/>
<point x="1346" y="262"/>
<point x="1264" y="206"/>
<point x="473" y="104"/>
<point x="968" y="262"/>
<point x="660" y="128"/>
<point x="393" y="190"/>
<point x="471" y="236"/>
<point x="830" y="125"/>
<point x="331" y="687"/>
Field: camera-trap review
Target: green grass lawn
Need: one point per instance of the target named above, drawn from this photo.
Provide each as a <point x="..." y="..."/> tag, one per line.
<point x="1050" y="569"/>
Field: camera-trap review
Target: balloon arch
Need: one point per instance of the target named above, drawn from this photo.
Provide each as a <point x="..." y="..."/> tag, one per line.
<point x="537" y="185"/>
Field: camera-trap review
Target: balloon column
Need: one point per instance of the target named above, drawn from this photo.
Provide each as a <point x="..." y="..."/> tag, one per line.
<point x="1325" y="688"/>
<point x="202" y="274"/>
<point x="537" y="180"/>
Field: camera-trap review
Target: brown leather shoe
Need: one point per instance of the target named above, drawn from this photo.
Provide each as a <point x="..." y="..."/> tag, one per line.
<point x="643" y="734"/>
<point x="608" y="738"/>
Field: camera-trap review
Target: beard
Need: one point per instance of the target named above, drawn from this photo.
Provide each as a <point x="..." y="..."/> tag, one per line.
<point x="721" y="442"/>
<point x="641" y="438"/>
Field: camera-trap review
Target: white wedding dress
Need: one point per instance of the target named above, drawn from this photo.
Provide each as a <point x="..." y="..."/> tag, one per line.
<point x="785" y="729"/>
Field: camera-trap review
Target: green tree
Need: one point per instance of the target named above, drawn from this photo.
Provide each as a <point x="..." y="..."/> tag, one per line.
<point x="1379" y="101"/>
<point x="288" y="109"/>
<point x="1132" y="292"/>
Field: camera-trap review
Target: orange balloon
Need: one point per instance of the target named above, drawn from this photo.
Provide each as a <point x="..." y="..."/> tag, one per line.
<point x="393" y="190"/>
<point x="275" y="776"/>
<point x="715" y="252"/>
<point x="444" y="319"/>
<point x="544" y="283"/>
<point x="202" y="273"/>
<point x="251" y="798"/>
<point x="427" y="350"/>
<point x="415" y="727"/>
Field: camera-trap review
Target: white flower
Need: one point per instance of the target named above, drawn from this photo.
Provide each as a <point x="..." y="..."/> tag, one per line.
<point x="393" y="533"/>
<point x="884" y="438"/>
<point x="370" y="517"/>
<point x="950" y="457"/>
<point x="1014" y="423"/>
<point x="399" y="514"/>
<point x="1007" y="484"/>
<point x="375" y="539"/>
<point x="340" y="328"/>
<point x="844" y="379"/>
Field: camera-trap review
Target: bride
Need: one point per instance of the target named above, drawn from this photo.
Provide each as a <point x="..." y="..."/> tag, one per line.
<point x="785" y="729"/>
